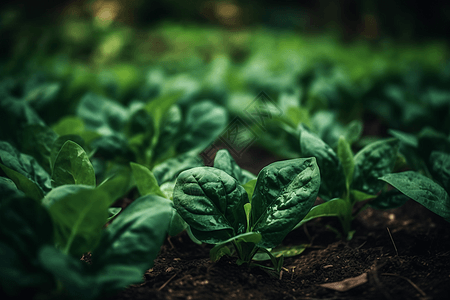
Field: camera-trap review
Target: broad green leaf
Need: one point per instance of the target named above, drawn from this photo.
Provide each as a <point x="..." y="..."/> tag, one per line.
<point x="440" y="168"/>
<point x="284" y="193"/>
<point x="8" y="189"/>
<point x="333" y="208"/>
<point x="72" y="166"/>
<point x="204" y="122"/>
<point x="102" y="115"/>
<point x="167" y="189"/>
<point x="60" y="141"/>
<point x="430" y="140"/>
<point x="145" y="181"/>
<point x="37" y="141"/>
<point x="171" y="168"/>
<point x="112" y="146"/>
<point x="69" y="125"/>
<point x="211" y="202"/>
<point x="423" y="190"/>
<point x="79" y="213"/>
<point x="118" y="184"/>
<point x="331" y="171"/>
<point x="131" y="242"/>
<point x="23" y="169"/>
<point x="373" y="161"/>
<point x="24" y="184"/>
<point x="345" y="155"/>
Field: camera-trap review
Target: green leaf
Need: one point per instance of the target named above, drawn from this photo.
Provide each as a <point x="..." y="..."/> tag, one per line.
<point x="168" y="134"/>
<point x="358" y="196"/>
<point x="373" y="161"/>
<point x="353" y="131"/>
<point x="211" y="202"/>
<point x="112" y="212"/>
<point x="440" y="168"/>
<point x="72" y="166"/>
<point x="23" y="169"/>
<point x="145" y="181"/>
<point x="331" y="171"/>
<point x="171" y="168"/>
<point x="250" y="188"/>
<point x="177" y="224"/>
<point x="225" y="162"/>
<point x="59" y="142"/>
<point x="131" y="242"/>
<point x="118" y="184"/>
<point x="245" y="244"/>
<point x="284" y="193"/>
<point x="79" y="213"/>
<point x="345" y="155"/>
<point x="423" y="190"/>
<point x="405" y="138"/>
<point x="102" y="115"/>
<point x="334" y="208"/>
<point x="158" y="107"/>
<point x="286" y="251"/>
<point x="37" y="141"/>
<point x="204" y="122"/>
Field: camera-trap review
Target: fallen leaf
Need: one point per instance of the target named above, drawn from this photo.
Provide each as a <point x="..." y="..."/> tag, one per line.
<point x="346" y="284"/>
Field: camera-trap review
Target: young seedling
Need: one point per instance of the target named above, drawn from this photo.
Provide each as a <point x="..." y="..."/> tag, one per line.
<point x="219" y="211"/>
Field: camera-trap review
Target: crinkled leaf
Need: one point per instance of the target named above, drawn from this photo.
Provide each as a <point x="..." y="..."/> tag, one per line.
<point x="72" y="166"/>
<point x="211" y="202"/>
<point x="373" y="161"/>
<point x="421" y="189"/>
<point x="79" y="213"/>
<point x="284" y="193"/>
<point x="331" y="171"/>
<point x="23" y="169"/>
<point x="145" y="181"/>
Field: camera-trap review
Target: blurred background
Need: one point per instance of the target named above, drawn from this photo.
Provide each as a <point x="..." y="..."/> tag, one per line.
<point x="365" y="59"/>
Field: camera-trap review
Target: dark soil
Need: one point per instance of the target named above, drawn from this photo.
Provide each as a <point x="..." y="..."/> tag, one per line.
<point x="413" y="264"/>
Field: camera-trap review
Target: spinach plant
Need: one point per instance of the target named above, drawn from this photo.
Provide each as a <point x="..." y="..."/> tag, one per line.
<point x="218" y="209"/>
<point x="348" y="179"/>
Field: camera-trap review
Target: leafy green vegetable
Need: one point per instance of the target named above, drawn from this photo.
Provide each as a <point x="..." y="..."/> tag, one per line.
<point x="218" y="211"/>
<point x="423" y="190"/>
<point x="145" y="181"/>
<point x="373" y="161"/>
<point x="23" y="169"/>
<point x="79" y="213"/>
<point x="331" y="171"/>
<point x="72" y="166"/>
